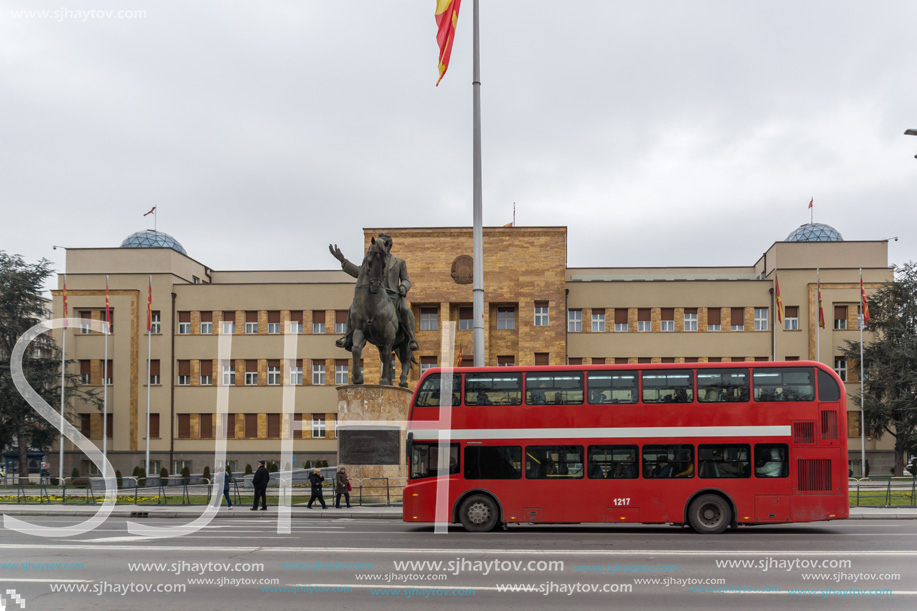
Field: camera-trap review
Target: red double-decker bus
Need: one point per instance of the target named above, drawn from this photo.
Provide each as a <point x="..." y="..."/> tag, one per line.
<point x="705" y="444"/>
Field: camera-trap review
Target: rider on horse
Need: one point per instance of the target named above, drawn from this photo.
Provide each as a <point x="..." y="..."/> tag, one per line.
<point x="396" y="283"/>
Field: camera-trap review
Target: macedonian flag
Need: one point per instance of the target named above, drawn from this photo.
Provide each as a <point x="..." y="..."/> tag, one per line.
<point x="446" y="19"/>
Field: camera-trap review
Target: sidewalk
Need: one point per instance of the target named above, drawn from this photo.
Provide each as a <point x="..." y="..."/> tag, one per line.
<point x="301" y="511"/>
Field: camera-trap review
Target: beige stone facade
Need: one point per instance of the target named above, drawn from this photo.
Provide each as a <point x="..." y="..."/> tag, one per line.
<point x="584" y="315"/>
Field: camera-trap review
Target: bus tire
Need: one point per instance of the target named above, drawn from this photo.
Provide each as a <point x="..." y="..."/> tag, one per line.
<point x="478" y="513"/>
<point x="709" y="514"/>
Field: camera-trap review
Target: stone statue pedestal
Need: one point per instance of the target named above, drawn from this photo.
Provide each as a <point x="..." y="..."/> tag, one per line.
<point x="372" y="440"/>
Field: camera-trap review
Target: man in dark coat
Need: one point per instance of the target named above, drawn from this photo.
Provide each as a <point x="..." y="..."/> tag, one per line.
<point x="316" y="479"/>
<point x="259" y="483"/>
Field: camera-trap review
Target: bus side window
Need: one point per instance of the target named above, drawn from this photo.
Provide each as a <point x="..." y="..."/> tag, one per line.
<point x="771" y="460"/>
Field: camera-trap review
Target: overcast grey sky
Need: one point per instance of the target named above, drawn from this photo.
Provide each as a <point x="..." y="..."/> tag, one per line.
<point x="660" y="133"/>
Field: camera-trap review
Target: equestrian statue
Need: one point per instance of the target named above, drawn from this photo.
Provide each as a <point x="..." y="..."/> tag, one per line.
<point x="379" y="313"/>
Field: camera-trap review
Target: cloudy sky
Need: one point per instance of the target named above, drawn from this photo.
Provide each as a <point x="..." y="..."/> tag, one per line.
<point x="659" y="133"/>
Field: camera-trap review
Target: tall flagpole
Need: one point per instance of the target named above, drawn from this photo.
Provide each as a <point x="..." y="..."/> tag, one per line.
<point x="60" y="468"/>
<point x="818" y="316"/>
<point x="478" y="233"/>
<point x="105" y="383"/>
<point x="862" y="320"/>
<point x="776" y="308"/>
<point x="149" y="351"/>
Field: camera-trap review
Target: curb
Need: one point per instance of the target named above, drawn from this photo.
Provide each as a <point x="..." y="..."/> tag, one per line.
<point x="241" y="514"/>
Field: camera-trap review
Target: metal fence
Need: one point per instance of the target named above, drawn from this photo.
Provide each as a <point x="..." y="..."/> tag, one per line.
<point x="883" y="492"/>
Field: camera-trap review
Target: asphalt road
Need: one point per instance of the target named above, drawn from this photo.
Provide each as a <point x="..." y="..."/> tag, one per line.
<point x="359" y="564"/>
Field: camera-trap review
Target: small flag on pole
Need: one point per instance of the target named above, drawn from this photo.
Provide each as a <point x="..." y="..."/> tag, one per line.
<point x="446" y="19"/>
<point x="863" y="298"/>
<point x="509" y="224"/>
<point x="821" y="308"/>
<point x="107" y="308"/>
<point x="458" y="361"/>
<point x="66" y="311"/>
<point x="779" y="300"/>
<point x="149" y="306"/>
<point x="152" y="210"/>
<point x="811" y="201"/>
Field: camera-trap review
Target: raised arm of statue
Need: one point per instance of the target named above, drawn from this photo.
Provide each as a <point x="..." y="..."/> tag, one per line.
<point x="347" y="266"/>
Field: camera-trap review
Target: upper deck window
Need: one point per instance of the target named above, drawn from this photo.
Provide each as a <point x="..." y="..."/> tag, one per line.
<point x="784" y="384"/>
<point x="612" y="387"/>
<point x="493" y="389"/>
<point x="722" y="385"/>
<point x="562" y="388"/>
<point x="429" y="392"/>
<point x="668" y="386"/>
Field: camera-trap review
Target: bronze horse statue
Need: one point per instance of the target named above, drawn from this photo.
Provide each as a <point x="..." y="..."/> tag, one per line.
<point x="374" y="320"/>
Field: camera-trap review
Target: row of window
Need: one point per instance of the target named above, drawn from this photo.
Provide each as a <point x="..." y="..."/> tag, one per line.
<point x="655" y="386"/>
<point x="316" y="424"/>
<point x="565" y="462"/>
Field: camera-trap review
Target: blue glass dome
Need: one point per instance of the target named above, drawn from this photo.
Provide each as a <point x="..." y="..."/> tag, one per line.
<point x="152" y="239"/>
<point x="815" y="232"/>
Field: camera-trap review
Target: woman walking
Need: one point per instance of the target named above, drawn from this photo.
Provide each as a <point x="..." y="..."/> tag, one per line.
<point x="341" y="486"/>
<point x="316" y="480"/>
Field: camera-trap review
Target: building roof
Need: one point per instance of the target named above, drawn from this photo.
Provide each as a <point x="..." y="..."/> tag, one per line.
<point x="152" y="239"/>
<point x="815" y="232"/>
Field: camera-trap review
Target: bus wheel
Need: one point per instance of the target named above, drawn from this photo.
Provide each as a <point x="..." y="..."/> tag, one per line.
<point x="709" y="514"/>
<point x="478" y="513"/>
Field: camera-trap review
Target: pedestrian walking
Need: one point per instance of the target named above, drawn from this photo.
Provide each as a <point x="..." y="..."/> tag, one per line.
<point x="227" y="476"/>
<point x="316" y="479"/>
<point x="259" y="483"/>
<point x="341" y="487"/>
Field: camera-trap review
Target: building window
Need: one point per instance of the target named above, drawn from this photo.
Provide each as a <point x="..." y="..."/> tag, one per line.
<point x="296" y="322"/>
<point x="427" y="362"/>
<point x="737" y="319"/>
<point x="840" y="317"/>
<point x="340" y="321"/>
<point x="273" y="372"/>
<point x="184" y="373"/>
<point x="506" y="317"/>
<point x="206" y="372"/>
<point x="760" y="319"/>
<point x="154" y="372"/>
<point x="667" y="319"/>
<point x="86" y="425"/>
<point x="85" y="322"/>
<point x="229" y="323"/>
<point x="250" y="429"/>
<point x="621" y="320"/>
<point x="340" y="371"/>
<point x="273" y="426"/>
<point x="273" y="322"/>
<point x="598" y="322"/>
<point x="574" y="321"/>
<point x="840" y="366"/>
<point x="251" y="372"/>
<point x="229" y="374"/>
<point x="251" y="323"/>
<point x="428" y="319"/>
<point x="155" y="322"/>
<point x="506" y="361"/>
<point x="85" y="372"/>
<point x="791" y="318"/>
<point x="184" y="323"/>
<point x="541" y="313"/>
<point x="853" y="423"/>
<point x="206" y="426"/>
<point x="184" y="426"/>
<point x="466" y="318"/>
<point x="714" y="319"/>
<point x="296" y="373"/>
<point x="318" y="373"/>
<point x="206" y="323"/>
<point x="108" y="374"/>
<point x="318" y="427"/>
<point x="542" y="358"/>
<point x="690" y="319"/>
<point x="644" y="319"/>
<point x="318" y="321"/>
<point x="154" y="426"/>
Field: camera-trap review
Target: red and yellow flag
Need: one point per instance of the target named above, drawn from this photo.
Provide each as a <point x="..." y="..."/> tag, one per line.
<point x="107" y="308"/>
<point x="779" y="300"/>
<point x="149" y="306"/>
<point x="863" y="298"/>
<point x="66" y="311"/>
<point x="458" y="361"/>
<point x="821" y="309"/>
<point x="446" y="19"/>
